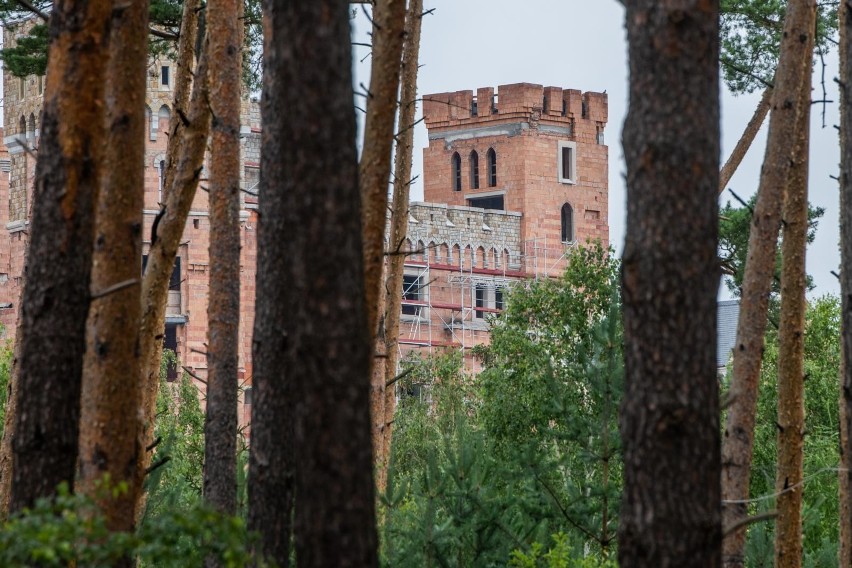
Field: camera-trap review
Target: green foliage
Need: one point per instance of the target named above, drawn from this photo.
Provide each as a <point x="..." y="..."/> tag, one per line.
<point x="70" y="529"/>
<point x="821" y="514"/>
<point x="469" y="487"/>
<point x="29" y="55"/>
<point x="751" y="37"/>
<point x="177" y="483"/>
<point x="5" y="377"/>
<point x="560" y="555"/>
<point x="734" y="228"/>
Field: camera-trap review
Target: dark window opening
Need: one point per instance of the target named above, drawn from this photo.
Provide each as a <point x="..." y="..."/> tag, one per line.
<point x="567" y="154"/>
<point x="412" y="292"/>
<point x="544" y="104"/>
<point x="474" y="107"/>
<point x="498" y="299"/>
<point x="564" y="107"/>
<point x="174" y="279"/>
<point x="164" y="75"/>
<point x="456" y="172"/>
<point x="567" y="224"/>
<point x="474" y="170"/>
<point x="585" y="110"/>
<point x="481" y="292"/>
<point x="170" y="343"/>
<point x="491" y="159"/>
<point x="247" y="396"/>
<point x="492" y="202"/>
<point x="494" y="101"/>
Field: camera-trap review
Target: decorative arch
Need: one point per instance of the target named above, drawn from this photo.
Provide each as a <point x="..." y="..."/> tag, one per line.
<point x="149" y="126"/>
<point x="495" y="258"/>
<point x="474" y="169"/>
<point x="421" y="252"/>
<point x="491" y="164"/>
<point x="567" y="216"/>
<point x="163" y="117"/>
<point x="22" y="127"/>
<point x="432" y="252"/>
<point x="456" y="171"/>
<point x="456" y="254"/>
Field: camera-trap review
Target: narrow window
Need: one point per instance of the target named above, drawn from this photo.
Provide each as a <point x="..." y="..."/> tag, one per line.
<point x="164" y="75"/>
<point x="567" y="224"/>
<point x="21" y="85"/>
<point x="411" y="292"/>
<point x="544" y="105"/>
<point x="491" y="159"/>
<point x="564" y="107"/>
<point x="494" y="101"/>
<point x="41" y="84"/>
<point x="567" y="162"/>
<point x="481" y="294"/>
<point x="498" y="299"/>
<point x="456" y="172"/>
<point x="170" y="343"/>
<point x="474" y="107"/>
<point x="161" y="169"/>
<point x="474" y="170"/>
<point x="247" y="396"/>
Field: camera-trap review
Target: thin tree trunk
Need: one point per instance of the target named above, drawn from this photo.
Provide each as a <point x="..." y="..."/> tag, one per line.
<point x="184" y="64"/>
<point x="845" y="50"/>
<point x="791" y="337"/>
<point x="9" y="426"/>
<point x="399" y="223"/>
<point x="738" y="438"/>
<point x="670" y="415"/>
<point x="109" y="426"/>
<point x="164" y="245"/>
<point x="311" y="346"/>
<point x="746" y="139"/>
<point x="223" y="308"/>
<point x="56" y="297"/>
<point x="375" y="165"/>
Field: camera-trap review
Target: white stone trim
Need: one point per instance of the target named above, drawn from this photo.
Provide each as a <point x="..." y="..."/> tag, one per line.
<point x="560" y="175"/>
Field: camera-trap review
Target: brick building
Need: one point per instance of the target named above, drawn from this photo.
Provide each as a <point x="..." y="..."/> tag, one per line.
<point x="512" y="180"/>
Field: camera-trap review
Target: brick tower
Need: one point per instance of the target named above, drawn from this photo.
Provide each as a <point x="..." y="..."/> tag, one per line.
<point x="530" y="149"/>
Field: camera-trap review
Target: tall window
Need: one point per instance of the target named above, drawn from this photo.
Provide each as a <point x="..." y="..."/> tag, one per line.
<point x="481" y="295"/>
<point x="491" y="159"/>
<point x="456" y="172"/>
<point x="567" y="224"/>
<point x="164" y="75"/>
<point x="474" y="170"/>
<point x="412" y="291"/>
<point x="567" y="162"/>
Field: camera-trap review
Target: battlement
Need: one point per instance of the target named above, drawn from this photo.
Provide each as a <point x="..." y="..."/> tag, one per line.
<point x="548" y="104"/>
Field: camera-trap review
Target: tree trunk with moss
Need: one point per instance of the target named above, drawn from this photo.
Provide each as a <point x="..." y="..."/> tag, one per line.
<point x="109" y="425"/>
<point x="312" y="349"/>
<point x="56" y="296"/>
<point x="223" y="309"/>
<point x="738" y="441"/>
<point x="670" y="416"/>
<point x="164" y="244"/>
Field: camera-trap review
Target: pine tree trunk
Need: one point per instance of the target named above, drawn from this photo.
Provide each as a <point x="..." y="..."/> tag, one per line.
<point x="670" y="415"/>
<point x="223" y="308"/>
<point x="845" y="50"/>
<point x="791" y="342"/>
<point x="399" y="223"/>
<point x="311" y="422"/>
<point x="375" y="165"/>
<point x="164" y="245"/>
<point x="9" y="428"/>
<point x="109" y="426"/>
<point x="738" y="441"/>
<point x="56" y="297"/>
<point x="745" y="141"/>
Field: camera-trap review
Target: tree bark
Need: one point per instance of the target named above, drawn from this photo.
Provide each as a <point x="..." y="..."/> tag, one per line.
<point x="738" y="438"/>
<point x="845" y="50"/>
<point x="223" y="308"/>
<point x="670" y="415"/>
<point x="312" y="352"/>
<point x="375" y="165"/>
<point x="746" y="139"/>
<point x="183" y="87"/>
<point x="9" y="426"/>
<point x="399" y="224"/>
<point x="109" y="426"/>
<point x="164" y="245"/>
<point x="56" y="297"/>
<point x="791" y="342"/>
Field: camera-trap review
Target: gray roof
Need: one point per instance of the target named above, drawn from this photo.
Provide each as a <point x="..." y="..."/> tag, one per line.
<point x="728" y="312"/>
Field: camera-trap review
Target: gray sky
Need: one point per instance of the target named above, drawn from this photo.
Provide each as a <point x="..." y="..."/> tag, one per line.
<point x="580" y="44"/>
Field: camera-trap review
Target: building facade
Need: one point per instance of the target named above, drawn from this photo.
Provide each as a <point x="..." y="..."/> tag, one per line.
<point x="513" y="179"/>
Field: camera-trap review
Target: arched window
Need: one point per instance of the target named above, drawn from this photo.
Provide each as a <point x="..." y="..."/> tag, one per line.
<point x="567" y="223"/>
<point x="474" y="170"/>
<point x="491" y="159"/>
<point x="456" y="172"/>
<point x="31" y="130"/>
<point x="163" y="117"/>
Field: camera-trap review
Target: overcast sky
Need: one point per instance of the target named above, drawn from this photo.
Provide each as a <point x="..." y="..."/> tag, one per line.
<point x="581" y="44"/>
